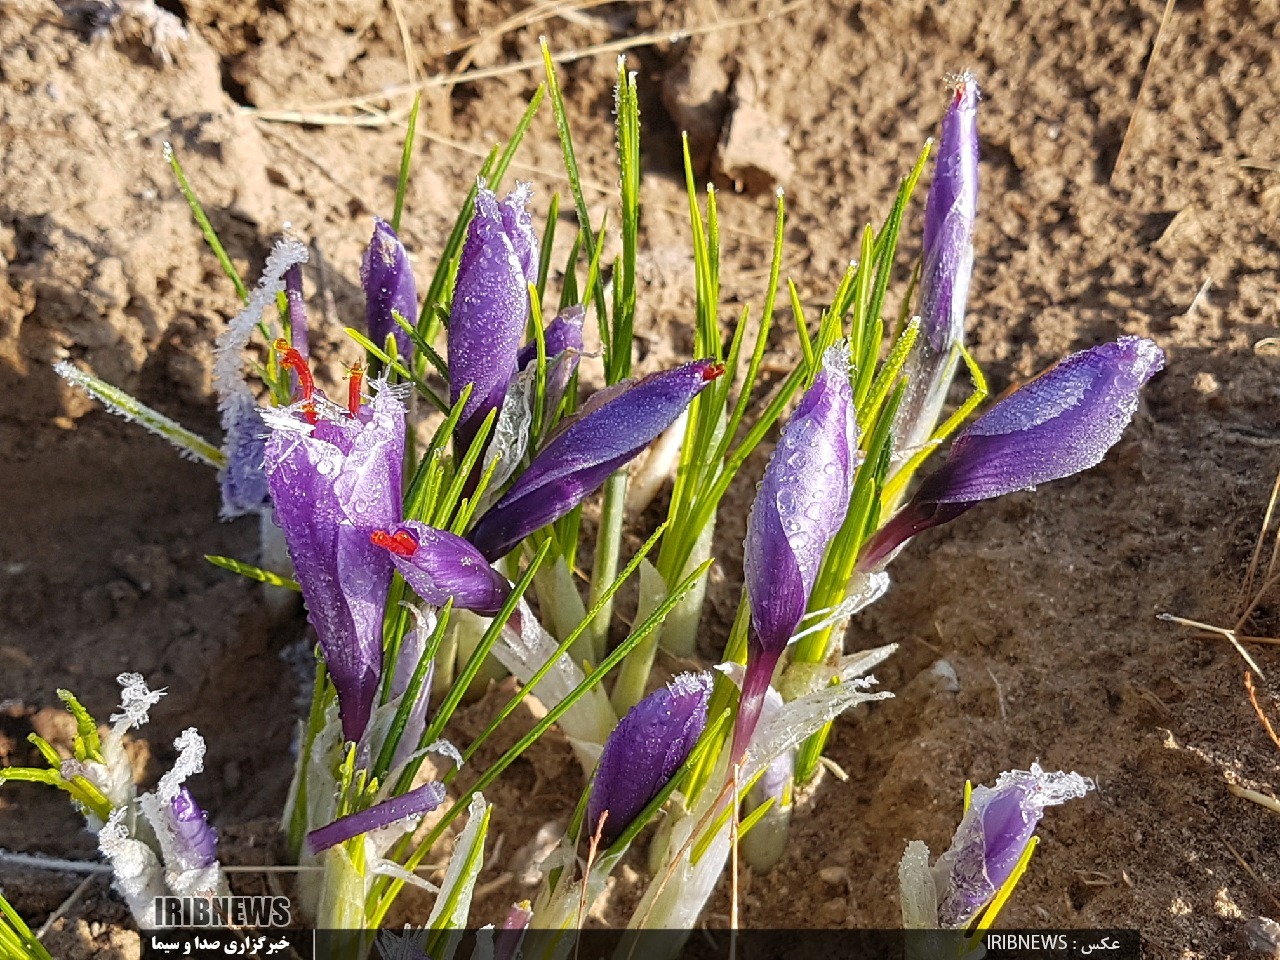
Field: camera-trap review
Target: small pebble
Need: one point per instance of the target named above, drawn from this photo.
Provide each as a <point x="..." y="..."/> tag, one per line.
<point x="833" y="875"/>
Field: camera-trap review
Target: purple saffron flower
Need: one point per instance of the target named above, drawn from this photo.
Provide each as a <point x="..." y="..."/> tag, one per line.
<point x="993" y="836"/>
<point x="645" y="750"/>
<point x="387" y="277"/>
<point x="333" y="484"/>
<point x="563" y="339"/>
<point x="799" y="507"/>
<point x="490" y="306"/>
<point x="1060" y="423"/>
<point x="948" y="264"/>
<point x="439" y="566"/>
<point x="609" y="430"/>
<point x="191" y="825"/>
<point x="416" y="802"/>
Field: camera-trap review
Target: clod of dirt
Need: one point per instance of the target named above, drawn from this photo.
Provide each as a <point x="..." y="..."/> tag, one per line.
<point x="695" y="91"/>
<point x="753" y="151"/>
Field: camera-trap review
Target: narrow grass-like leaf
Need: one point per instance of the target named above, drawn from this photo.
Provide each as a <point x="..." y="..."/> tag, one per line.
<point x="413" y="691"/>
<point x="253" y="572"/>
<point x="406" y="157"/>
<point x="423" y="347"/>
<point x="16" y="938"/>
<point x="135" y="411"/>
<point x="548" y="244"/>
<point x="206" y="228"/>
<point x="590" y="241"/>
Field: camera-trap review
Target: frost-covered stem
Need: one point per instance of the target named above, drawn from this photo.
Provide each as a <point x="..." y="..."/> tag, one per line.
<point x="189" y="444"/>
<point x="604" y="569"/>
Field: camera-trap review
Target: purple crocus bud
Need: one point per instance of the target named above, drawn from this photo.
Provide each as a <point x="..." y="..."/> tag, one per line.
<point x="610" y="429"/>
<point x="993" y="836"/>
<point x="441" y="566"/>
<point x="948" y="264"/>
<point x="387" y="277"/>
<point x="198" y="838"/>
<point x="563" y="341"/>
<point x="645" y="750"/>
<point x="333" y="484"/>
<point x="415" y="803"/>
<point x="1060" y="423"/>
<point x="799" y="507"/>
<point x="490" y="307"/>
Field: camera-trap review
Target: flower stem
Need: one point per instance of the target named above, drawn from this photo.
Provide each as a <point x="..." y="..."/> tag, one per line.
<point x="604" y="569"/>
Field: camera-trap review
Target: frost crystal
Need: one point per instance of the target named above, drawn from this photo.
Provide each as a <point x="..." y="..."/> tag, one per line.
<point x="136" y="701"/>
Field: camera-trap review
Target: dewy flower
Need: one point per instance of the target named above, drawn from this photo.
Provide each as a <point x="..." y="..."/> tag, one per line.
<point x="799" y="507"/>
<point x="439" y="566"/>
<point x="387" y="278"/>
<point x="948" y="263"/>
<point x="490" y="305"/>
<point x="334" y="483"/>
<point x="609" y="430"/>
<point x="1060" y="423"/>
<point x="993" y="836"/>
<point x="645" y="750"/>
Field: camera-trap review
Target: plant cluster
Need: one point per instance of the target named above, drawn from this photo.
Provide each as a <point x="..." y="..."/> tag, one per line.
<point x="437" y="568"/>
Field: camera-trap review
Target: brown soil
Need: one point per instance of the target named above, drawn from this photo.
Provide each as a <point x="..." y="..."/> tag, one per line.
<point x="1043" y="603"/>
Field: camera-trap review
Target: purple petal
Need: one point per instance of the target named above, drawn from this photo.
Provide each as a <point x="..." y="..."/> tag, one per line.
<point x="1060" y="423"/>
<point x="587" y="449"/>
<point x="387" y="277"/>
<point x="563" y="333"/>
<point x="799" y="507"/>
<point x="506" y="942"/>
<point x="297" y="311"/>
<point x="517" y="224"/>
<point x="198" y="839"/>
<point x="992" y="837"/>
<point x="244" y="485"/>
<point x="416" y="802"/>
<point x="948" y="264"/>
<point x="645" y="750"/>
<point x="332" y="489"/>
<point x="488" y="317"/>
<point x="563" y="338"/>
<point x="948" y="220"/>
<point x="441" y="566"/>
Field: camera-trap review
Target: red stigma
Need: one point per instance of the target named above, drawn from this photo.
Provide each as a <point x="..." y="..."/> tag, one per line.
<point x="713" y="372"/>
<point x="401" y="543"/>
<point x="291" y="359"/>
<point x="354" y="386"/>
